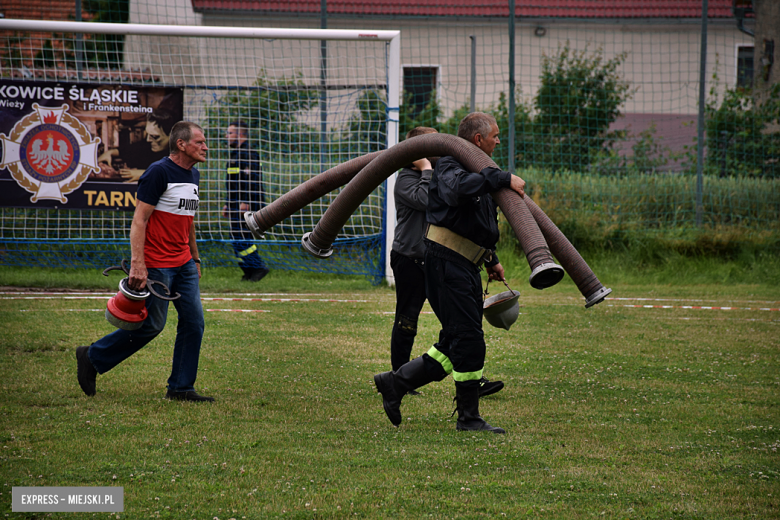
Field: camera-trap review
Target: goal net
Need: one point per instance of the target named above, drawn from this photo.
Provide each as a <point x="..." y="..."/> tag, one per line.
<point x="108" y="93"/>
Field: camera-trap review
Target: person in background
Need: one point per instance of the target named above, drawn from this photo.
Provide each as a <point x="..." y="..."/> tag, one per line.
<point x="243" y="191"/>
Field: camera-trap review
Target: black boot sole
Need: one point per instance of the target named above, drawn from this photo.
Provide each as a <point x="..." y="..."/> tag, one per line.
<point x="484" y="427"/>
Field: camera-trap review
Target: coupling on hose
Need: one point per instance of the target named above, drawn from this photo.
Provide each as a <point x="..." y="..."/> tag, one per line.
<point x="251" y="223"/>
<point x="597" y="297"/>
<point x="309" y="246"/>
<point x="545" y="275"/>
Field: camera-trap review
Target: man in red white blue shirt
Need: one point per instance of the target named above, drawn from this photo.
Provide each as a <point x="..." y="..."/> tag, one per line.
<point x="163" y="248"/>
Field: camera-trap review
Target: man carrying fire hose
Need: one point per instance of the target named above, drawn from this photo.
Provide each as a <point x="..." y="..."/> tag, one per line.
<point x="462" y="236"/>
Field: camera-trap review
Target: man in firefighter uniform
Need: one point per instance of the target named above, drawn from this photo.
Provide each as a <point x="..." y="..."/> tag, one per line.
<point x="462" y="235"/>
<point x="407" y="259"/>
<point x="243" y="193"/>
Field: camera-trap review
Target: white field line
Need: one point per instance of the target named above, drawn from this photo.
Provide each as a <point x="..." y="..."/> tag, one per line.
<point x="63" y="296"/>
<point x="689" y="318"/>
<point x="100" y="293"/>
<point x="266" y="297"/>
<point x="392" y="313"/>
<point x="698" y="307"/>
<point x="103" y="310"/>
<point x="55" y="293"/>
<point x="685" y="300"/>
<point x="235" y="310"/>
<point x="712" y="318"/>
<point x="63" y="310"/>
<point x="33" y="295"/>
<point x="263" y="295"/>
<point x="280" y="300"/>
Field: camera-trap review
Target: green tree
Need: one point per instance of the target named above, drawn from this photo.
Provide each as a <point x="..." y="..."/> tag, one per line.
<point x="273" y="110"/>
<point x="450" y="125"/>
<point x="501" y="113"/>
<point x="366" y="130"/>
<point x="523" y="131"/>
<point x="11" y="56"/>
<point x="46" y="57"/>
<point x="410" y="117"/>
<point x="566" y="126"/>
<point x="742" y="136"/>
<point x="578" y="98"/>
<point x="648" y="154"/>
<point x="100" y="51"/>
<point x="105" y="50"/>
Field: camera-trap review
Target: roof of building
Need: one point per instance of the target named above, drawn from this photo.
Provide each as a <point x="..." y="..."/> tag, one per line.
<point x="40" y="10"/>
<point x="485" y="8"/>
<point x="93" y="74"/>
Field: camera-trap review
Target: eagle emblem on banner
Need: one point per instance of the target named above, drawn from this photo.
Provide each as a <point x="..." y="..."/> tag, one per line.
<point x="49" y="153"/>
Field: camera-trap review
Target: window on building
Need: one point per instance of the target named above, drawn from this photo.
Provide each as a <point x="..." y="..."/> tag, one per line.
<point x="419" y="85"/>
<point x="745" y="66"/>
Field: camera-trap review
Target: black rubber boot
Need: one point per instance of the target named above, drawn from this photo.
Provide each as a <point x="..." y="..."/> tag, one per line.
<point x="256" y="274"/>
<point x="394" y="385"/>
<point x="467" y="397"/>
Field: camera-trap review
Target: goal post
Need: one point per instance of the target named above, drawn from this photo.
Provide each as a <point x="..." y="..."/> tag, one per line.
<point x="306" y="114"/>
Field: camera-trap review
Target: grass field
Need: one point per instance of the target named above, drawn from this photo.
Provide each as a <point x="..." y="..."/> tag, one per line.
<point x="639" y="408"/>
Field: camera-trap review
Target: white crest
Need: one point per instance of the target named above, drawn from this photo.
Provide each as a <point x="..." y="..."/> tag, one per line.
<point x="49" y="153"/>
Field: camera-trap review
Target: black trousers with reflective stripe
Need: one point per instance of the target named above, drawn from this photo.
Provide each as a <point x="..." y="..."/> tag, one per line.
<point x="454" y="290"/>
<point x="242" y="240"/>
<point x="409" y="300"/>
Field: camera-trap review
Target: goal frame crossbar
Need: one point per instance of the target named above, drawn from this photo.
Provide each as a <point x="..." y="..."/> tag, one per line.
<point x="393" y="37"/>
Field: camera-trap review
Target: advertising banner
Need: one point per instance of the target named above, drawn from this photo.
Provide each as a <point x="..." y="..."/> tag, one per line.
<point x="81" y="146"/>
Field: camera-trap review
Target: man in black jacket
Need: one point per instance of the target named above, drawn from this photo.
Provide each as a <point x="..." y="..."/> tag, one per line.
<point x="462" y="235"/>
<point x="407" y="259"/>
<point x="243" y="193"/>
<point x="407" y="255"/>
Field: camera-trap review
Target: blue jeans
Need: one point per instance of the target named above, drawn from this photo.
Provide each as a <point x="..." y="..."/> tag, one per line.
<point x="110" y="350"/>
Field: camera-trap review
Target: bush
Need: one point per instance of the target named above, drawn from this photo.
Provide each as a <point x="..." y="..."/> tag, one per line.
<point x="273" y="111"/>
<point x="644" y="212"/>
<point x="742" y="136"/>
<point x="410" y="118"/>
<point x="566" y="126"/>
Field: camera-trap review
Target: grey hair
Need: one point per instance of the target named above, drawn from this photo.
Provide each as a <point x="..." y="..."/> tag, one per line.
<point x="181" y="131"/>
<point x="476" y="123"/>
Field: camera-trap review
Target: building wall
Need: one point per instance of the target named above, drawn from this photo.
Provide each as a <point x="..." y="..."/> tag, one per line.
<point x="662" y="62"/>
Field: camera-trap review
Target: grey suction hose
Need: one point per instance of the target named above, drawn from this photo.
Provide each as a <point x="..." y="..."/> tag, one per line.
<point x="294" y="200"/>
<point x="585" y="279"/>
<point x="544" y="271"/>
